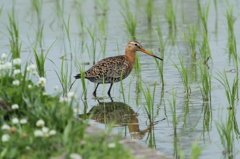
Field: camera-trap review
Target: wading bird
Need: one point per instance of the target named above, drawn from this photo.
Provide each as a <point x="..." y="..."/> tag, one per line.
<point x="116" y="68"/>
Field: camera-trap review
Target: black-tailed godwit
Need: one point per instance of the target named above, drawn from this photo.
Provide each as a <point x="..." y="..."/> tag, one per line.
<point x="114" y="69"/>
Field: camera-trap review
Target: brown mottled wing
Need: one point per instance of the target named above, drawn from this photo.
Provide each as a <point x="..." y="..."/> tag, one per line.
<point x="109" y="70"/>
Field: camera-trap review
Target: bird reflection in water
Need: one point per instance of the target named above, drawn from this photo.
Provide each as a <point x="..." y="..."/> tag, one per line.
<point x="119" y="113"/>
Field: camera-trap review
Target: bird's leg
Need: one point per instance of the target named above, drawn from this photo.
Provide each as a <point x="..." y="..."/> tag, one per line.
<point x="109" y="91"/>
<point x="94" y="93"/>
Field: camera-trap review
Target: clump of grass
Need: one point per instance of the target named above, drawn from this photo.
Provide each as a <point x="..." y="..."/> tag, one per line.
<point x="162" y="47"/>
<point x="203" y="14"/>
<point x="1" y="10"/>
<point x="191" y="38"/>
<point x="231" y="91"/>
<point x="37" y="7"/>
<point x="40" y="59"/>
<point x="13" y="31"/>
<point x="170" y="15"/>
<point x="216" y="12"/>
<point x="93" y="45"/>
<point x="205" y="51"/>
<point x="184" y="75"/>
<point x="196" y="150"/>
<point x="172" y="103"/>
<point x="225" y="131"/>
<point x="150" y="110"/>
<point x="205" y="80"/>
<point x="102" y="5"/>
<point x="131" y="24"/>
<point x="149" y="10"/>
<point x="232" y="44"/>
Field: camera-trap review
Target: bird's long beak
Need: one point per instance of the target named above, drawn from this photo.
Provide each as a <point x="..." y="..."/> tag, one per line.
<point x="145" y="51"/>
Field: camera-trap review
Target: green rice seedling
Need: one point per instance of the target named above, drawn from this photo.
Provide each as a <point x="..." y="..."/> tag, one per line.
<point x="37" y="7"/>
<point x="1" y="10"/>
<point x="40" y="59"/>
<point x="216" y="19"/>
<point x="67" y="31"/>
<point x="102" y="5"/>
<point x="232" y="44"/>
<point x="231" y="91"/>
<point x="13" y="31"/>
<point x="207" y="117"/>
<point x="162" y="47"/>
<point x="203" y="14"/>
<point x="137" y="64"/>
<point x="205" y="51"/>
<point x="160" y="70"/>
<point x="149" y="10"/>
<point x="103" y="46"/>
<point x="205" y="80"/>
<point x="170" y="15"/>
<point x="63" y="76"/>
<point x="93" y="45"/>
<point x="191" y="38"/>
<point x="131" y="24"/>
<point x="125" y="6"/>
<point x="184" y="75"/>
<point x="159" y="36"/>
<point x="149" y="97"/>
<point x="150" y="110"/>
<point x="102" y="26"/>
<point x="172" y="103"/>
<point x="80" y="21"/>
<point x="225" y="131"/>
<point x="122" y="90"/>
<point x="196" y="150"/>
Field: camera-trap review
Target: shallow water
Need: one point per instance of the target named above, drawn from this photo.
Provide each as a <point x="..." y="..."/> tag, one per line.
<point x="160" y="133"/>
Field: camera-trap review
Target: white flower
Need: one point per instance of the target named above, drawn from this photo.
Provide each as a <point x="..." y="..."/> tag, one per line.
<point x="16" y="71"/>
<point x="5" y="127"/>
<point x="17" y="61"/>
<point x="38" y="133"/>
<point x="8" y="65"/>
<point x="31" y="67"/>
<point x="23" y="121"/>
<point x="45" y="130"/>
<point x="75" y="156"/>
<point x="42" y="81"/>
<point x="15" y="106"/>
<point x="63" y="99"/>
<point x="2" y="67"/>
<point x="111" y="145"/>
<point x="29" y="86"/>
<point x="16" y="82"/>
<point x="15" y="121"/>
<point x="56" y="87"/>
<point x="4" y="56"/>
<point x="5" y="137"/>
<point x="40" y="123"/>
<point x="52" y="132"/>
<point x="70" y="95"/>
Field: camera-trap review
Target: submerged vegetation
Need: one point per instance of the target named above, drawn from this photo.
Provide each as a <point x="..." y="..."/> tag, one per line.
<point x="195" y="88"/>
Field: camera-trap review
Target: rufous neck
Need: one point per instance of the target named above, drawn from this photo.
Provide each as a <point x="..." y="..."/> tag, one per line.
<point x="131" y="55"/>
